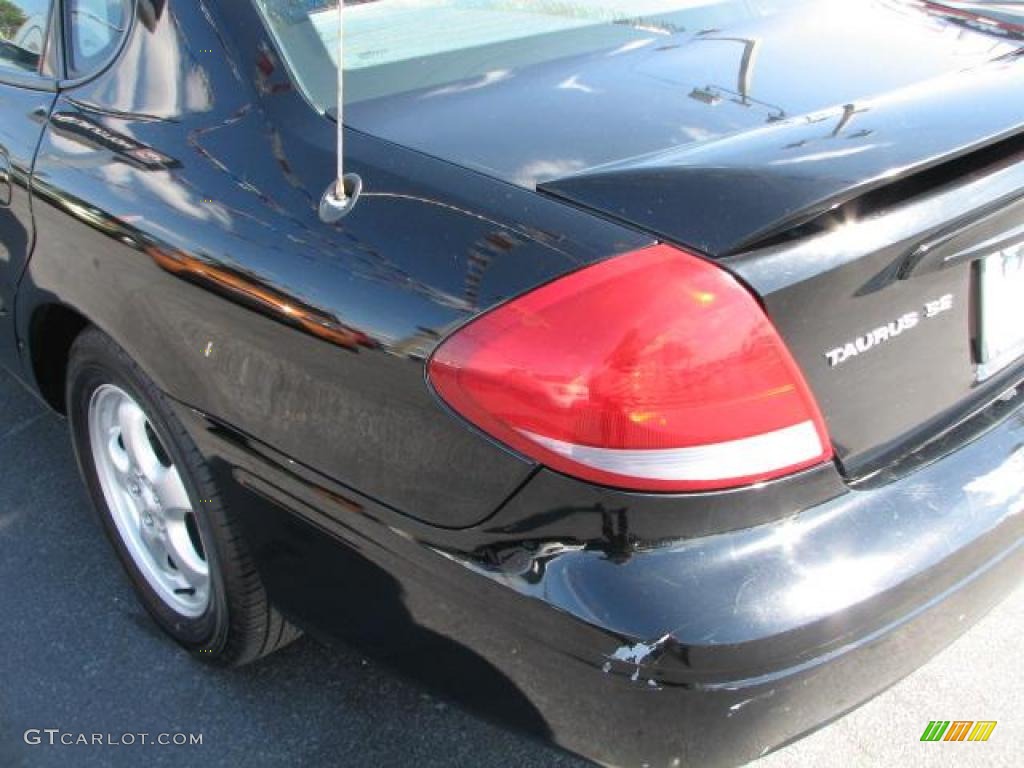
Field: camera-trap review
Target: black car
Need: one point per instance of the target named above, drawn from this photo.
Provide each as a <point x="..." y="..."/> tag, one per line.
<point x="651" y="383"/>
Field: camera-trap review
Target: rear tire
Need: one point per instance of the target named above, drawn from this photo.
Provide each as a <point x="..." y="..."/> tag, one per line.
<point x="155" y="495"/>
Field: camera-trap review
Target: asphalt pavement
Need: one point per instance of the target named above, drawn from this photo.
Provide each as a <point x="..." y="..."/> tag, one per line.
<point x="78" y="654"/>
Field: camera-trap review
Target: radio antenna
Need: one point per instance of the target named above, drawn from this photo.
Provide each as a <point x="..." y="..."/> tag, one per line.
<point x="342" y="194"/>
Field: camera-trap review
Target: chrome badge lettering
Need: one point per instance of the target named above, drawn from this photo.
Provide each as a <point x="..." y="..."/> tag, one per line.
<point x="907" y="322"/>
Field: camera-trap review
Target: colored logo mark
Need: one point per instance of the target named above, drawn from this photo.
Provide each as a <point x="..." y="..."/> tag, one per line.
<point x="958" y="730"/>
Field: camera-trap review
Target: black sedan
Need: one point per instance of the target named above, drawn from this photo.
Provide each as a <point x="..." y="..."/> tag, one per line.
<point x="646" y="375"/>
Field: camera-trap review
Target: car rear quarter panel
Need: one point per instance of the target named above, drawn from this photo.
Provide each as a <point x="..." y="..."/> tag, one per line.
<point x="176" y="204"/>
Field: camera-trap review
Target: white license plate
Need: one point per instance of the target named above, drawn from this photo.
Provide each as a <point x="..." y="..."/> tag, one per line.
<point x="1002" y="310"/>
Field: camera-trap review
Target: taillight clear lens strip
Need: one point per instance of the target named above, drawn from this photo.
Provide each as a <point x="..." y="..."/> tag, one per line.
<point x="749" y="457"/>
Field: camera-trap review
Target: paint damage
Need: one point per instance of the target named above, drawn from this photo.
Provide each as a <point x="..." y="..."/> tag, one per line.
<point x="637" y="654"/>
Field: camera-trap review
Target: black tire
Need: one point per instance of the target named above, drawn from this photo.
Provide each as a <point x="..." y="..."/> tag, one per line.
<point x="239" y="624"/>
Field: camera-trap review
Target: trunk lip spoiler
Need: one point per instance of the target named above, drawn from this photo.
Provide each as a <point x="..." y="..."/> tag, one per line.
<point x="785" y="161"/>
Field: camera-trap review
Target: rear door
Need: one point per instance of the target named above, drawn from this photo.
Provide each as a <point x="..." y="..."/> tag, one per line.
<point x="27" y="91"/>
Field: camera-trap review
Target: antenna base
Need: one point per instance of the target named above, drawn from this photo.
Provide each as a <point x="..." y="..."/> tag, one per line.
<point x="332" y="207"/>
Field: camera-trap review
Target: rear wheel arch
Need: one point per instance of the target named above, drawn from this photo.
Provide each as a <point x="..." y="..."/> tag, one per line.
<point x="237" y="624"/>
<point x="52" y="330"/>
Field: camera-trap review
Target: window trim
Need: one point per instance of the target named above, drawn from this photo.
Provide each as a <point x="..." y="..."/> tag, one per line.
<point x="66" y="82"/>
<point x="54" y="46"/>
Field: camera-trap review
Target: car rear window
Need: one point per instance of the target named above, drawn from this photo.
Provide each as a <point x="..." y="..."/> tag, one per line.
<point x="398" y="46"/>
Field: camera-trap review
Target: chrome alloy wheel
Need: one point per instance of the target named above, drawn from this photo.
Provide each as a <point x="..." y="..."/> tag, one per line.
<point x="148" y="501"/>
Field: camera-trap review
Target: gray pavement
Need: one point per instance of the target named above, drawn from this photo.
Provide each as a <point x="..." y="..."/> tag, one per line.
<point x="77" y="653"/>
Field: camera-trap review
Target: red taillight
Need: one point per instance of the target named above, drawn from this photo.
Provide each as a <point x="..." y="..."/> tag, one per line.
<point x="655" y="370"/>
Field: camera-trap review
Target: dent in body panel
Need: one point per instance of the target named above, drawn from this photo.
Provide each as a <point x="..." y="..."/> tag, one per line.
<point x="703" y="647"/>
<point x="637" y="655"/>
<point x="686" y="610"/>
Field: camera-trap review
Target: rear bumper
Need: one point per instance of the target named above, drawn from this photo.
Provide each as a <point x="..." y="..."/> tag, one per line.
<point x="714" y="649"/>
<point x="732" y="645"/>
